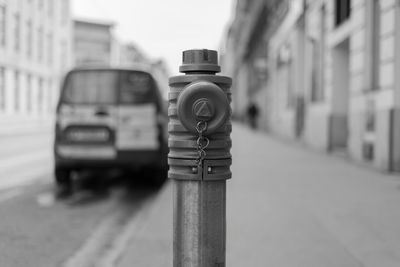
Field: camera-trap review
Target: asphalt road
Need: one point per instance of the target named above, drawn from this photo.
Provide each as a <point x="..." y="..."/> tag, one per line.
<point x="38" y="227"/>
<point x="41" y="227"/>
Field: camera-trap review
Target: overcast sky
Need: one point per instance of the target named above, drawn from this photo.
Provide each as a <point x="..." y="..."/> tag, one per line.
<point x="163" y="28"/>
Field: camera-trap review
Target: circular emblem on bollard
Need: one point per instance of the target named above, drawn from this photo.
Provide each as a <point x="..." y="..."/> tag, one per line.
<point x="203" y="109"/>
<point x="203" y="101"/>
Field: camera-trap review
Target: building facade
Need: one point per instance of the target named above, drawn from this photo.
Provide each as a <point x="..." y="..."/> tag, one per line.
<point x="333" y="75"/>
<point x="94" y="43"/>
<point x="245" y="56"/>
<point x="35" y="52"/>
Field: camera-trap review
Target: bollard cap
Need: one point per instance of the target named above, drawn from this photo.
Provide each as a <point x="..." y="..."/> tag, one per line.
<point x="203" y="101"/>
<point x="200" y="60"/>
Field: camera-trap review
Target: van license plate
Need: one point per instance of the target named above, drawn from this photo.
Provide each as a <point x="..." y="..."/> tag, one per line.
<point x="97" y="135"/>
<point x="87" y="152"/>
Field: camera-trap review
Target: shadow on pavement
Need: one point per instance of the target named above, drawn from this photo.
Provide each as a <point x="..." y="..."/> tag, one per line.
<point x="94" y="186"/>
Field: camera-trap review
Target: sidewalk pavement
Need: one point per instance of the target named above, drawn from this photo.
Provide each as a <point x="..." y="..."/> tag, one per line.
<point x="13" y="125"/>
<point x="288" y="206"/>
<point x="25" y="157"/>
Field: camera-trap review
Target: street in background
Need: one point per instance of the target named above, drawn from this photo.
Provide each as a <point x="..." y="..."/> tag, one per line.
<point x="310" y="162"/>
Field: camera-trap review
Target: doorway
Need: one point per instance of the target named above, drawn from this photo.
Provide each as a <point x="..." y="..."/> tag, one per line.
<point x="338" y="122"/>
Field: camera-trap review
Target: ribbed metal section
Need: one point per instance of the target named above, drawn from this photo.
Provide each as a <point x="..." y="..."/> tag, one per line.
<point x="182" y="143"/>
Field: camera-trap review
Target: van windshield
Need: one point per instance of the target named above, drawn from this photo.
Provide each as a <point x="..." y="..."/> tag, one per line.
<point x="136" y="88"/>
<point x="108" y="87"/>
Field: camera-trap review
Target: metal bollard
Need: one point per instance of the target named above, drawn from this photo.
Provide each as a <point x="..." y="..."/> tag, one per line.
<point x="199" y="158"/>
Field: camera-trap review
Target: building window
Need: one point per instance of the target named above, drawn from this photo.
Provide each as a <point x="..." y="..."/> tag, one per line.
<point x="40" y="4"/>
<point x="16" y="91"/>
<point x="40" y="95"/>
<point x="285" y="74"/>
<point x="315" y="92"/>
<point x="374" y="51"/>
<point x="17" y="32"/>
<point x="40" y="43"/>
<point x="370" y="117"/>
<point x="2" y="89"/>
<point x="29" y="34"/>
<point x="3" y="25"/>
<point x="342" y="11"/>
<point x="64" y="12"/>
<point x="317" y="59"/>
<point x="50" y="48"/>
<point x="29" y="92"/>
<point x="50" y="8"/>
<point x="50" y="95"/>
<point x="63" y="55"/>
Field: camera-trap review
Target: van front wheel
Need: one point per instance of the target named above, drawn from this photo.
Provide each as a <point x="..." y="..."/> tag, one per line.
<point x="159" y="175"/>
<point x="62" y="177"/>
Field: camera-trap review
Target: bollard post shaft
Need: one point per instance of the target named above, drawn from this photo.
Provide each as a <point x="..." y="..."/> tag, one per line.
<point x="199" y="223"/>
<point x="199" y="159"/>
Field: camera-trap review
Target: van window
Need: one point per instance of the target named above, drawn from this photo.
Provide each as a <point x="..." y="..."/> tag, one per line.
<point x="136" y="87"/>
<point x="91" y="87"/>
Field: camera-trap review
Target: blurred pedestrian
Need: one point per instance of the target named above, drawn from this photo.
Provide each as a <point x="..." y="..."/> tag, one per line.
<point x="252" y="114"/>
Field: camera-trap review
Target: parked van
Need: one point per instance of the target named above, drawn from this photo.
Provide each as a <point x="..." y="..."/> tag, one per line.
<point x="110" y="118"/>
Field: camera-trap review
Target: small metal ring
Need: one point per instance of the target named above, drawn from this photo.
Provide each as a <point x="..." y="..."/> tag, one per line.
<point x="202" y="139"/>
<point x="200" y="130"/>
<point x="202" y="154"/>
